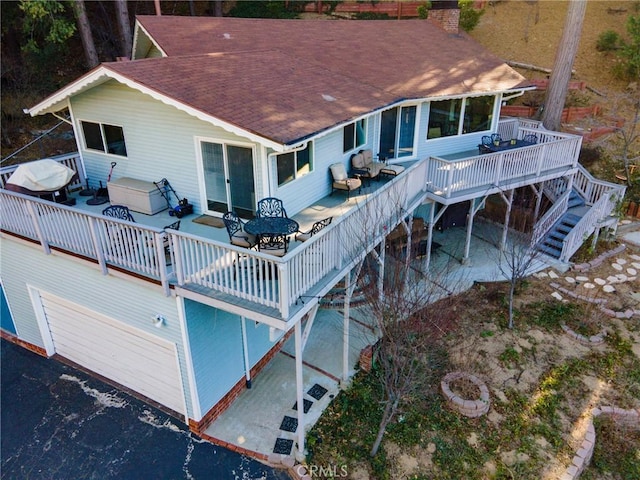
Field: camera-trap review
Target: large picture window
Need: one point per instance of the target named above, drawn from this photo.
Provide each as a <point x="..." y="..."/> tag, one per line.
<point x="458" y="116"/>
<point x="478" y="114"/>
<point x="104" y="138"/>
<point x="444" y="118"/>
<point x="354" y="135"/>
<point x="293" y="165"/>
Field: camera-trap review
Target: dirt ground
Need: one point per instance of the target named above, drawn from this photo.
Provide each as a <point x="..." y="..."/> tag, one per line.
<point x="530" y="31"/>
<point x="538" y="350"/>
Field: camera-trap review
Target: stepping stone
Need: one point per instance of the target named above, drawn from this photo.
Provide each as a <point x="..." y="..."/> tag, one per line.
<point x="612" y="279"/>
<point x="600" y="281"/>
<point x="553" y="274"/>
<point x="317" y="391"/>
<point x="582" y="279"/>
<point x="632" y="271"/>
<point x="636" y="265"/>
<point x="306" y="405"/>
<point x="570" y="279"/>
<point x="632" y="279"/>
<point x="289" y="424"/>
<point x="621" y="261"/>
<point x="616" y="266"/>
<point x="283" y="446"/>
<point x="609" y="288"/>
<point x="589" y="285"/>
<point x="541" y="274"/>
<point x="556" y="295"/>
<point x="634" y="256"/>
<point x="622" y="277"/>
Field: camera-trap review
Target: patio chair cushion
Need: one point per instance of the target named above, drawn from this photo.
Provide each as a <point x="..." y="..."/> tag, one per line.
<point x="338" y="172"/>
<point x="392" y="170"/>
<point x="364" y="164"/>
<point x="243" y="239"/>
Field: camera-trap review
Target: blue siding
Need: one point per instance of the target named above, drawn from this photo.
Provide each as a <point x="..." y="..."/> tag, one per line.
<point x="216" y="350"/>
<point x="215" y="337"/>
<point x="6" y="321"/>
<point x="258" y="341"/>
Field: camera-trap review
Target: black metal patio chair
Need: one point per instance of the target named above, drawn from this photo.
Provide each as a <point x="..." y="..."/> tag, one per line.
<point x="315" y="228"/>
<point x="271" y="207"/>
<point x="118" y="211"/>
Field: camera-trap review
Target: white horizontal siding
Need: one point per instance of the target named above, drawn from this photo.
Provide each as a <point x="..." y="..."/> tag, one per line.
<point x="132" y="302"/>
<point x="160" y="139"/>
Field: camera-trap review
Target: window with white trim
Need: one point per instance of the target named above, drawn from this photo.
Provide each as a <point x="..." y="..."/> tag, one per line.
<point x="458" y="116"/>
<point x="354" y="135"/>
<point x="104" y="138"/>
<point x="294" y="165"/>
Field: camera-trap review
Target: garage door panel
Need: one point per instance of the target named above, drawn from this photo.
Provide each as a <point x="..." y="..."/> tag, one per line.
<point x="72" y="326"/>
<point x="129" y="356"/>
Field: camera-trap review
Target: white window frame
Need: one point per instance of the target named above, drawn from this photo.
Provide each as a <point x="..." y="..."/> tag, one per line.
<point x="355" y="135"/>
<point x="296" y="175"/>
<point x="103" y="137"/>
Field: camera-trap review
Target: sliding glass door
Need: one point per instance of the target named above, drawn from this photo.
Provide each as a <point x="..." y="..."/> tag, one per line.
<point x="228" y="178"/>
<point x="397" y="132"/>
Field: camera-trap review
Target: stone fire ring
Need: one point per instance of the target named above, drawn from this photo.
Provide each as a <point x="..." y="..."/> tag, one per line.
<point x="469" y="408"/>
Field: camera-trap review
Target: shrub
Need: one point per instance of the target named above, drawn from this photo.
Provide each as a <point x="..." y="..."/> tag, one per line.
<point x="608" y="41"/>
<point x="469" y="16"/>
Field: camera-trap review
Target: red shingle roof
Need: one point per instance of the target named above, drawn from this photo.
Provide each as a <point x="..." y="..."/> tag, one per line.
<point x="276" y="78"/>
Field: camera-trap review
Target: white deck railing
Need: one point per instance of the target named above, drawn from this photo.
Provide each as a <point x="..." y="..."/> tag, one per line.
<point x="245" y="274"/>
<point x="553" y="152"/>
<point x="108" y="241"/>
<point x="549" y="219"/>
<point x="278" y="283"/>
<point x="71" y="160"/>
<point x="603" y="197"/>
<point x="281" y="282"/>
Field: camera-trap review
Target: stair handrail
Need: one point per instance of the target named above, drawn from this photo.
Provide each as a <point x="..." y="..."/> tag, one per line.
<point x="592" y="188"/>
<point x="584" y="228"/>
<point x="549" y="219"/>
<point x="603" y="197"/>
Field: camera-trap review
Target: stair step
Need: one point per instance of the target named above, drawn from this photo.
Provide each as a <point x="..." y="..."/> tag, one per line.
<point x="557" y="236"/>
<point x="553" y="243"/>
<point x="555" y="253"/>
<point x="563" y="228"/>
<point x="570" y="218"/>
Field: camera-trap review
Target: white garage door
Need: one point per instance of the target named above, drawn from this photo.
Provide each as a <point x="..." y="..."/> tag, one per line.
<point x="127" y="355"/>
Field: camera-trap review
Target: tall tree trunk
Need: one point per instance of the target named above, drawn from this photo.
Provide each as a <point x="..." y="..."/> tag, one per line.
<point x="217" y="8"/>
<point x="124" y="26"/>
<point x="85" y="34"/>
<point x="563" y="64"/>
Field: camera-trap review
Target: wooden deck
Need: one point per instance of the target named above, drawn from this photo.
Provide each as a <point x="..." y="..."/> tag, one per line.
<point x="202" y="265"/>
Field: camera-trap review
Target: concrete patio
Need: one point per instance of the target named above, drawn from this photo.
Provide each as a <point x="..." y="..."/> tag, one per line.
<point x="259" y="420"/>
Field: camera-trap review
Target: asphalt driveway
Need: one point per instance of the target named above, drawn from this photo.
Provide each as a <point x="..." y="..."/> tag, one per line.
<point x="59" y="423"/>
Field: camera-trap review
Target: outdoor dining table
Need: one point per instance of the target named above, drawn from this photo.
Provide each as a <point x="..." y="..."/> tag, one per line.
<point x="506" y="145"/>
<point x="271" y="226"/>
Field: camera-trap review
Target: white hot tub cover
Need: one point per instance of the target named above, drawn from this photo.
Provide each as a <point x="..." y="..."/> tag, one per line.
<point x="42" y="176"/>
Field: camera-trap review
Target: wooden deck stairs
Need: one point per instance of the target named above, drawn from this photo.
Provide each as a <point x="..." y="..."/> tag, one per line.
<point x="552" y="244"/>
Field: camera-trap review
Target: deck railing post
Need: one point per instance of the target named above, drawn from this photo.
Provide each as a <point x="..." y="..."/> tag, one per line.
<point x="38" y="228"/>
<point x="161" y="264"/>
<point x="283" y="275"/>
<point x="95" y="239"/>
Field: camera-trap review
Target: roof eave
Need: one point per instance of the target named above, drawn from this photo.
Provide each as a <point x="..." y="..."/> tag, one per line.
<point x="59" y="101"/>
